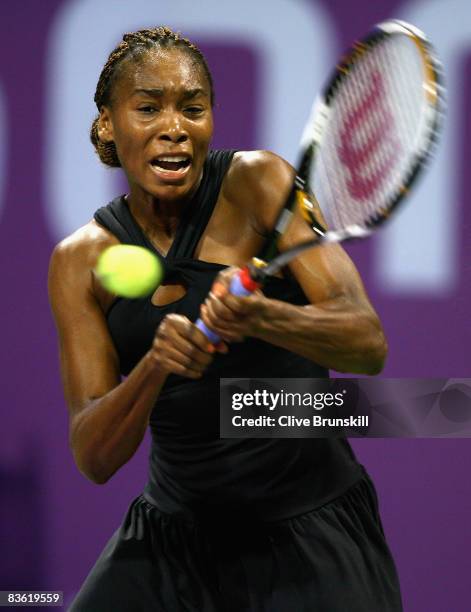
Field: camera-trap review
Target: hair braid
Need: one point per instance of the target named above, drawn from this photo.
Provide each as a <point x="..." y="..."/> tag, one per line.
<point x="134" y="44"/>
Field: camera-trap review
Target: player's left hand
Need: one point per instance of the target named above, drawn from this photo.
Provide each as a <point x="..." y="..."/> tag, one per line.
<point x="232" y="317"/>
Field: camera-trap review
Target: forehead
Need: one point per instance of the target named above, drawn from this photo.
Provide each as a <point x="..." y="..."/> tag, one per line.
<point x="169" y="69"/>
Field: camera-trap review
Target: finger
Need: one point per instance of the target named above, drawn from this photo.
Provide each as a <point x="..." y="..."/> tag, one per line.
<point x="223" y="281"/>
<point x="187" y="364"/>
<point x="180" y="334"/>
<point x="229" y="334"/>
<point x="232" y="304"/>
<point x="199" y="340"/>
<point x="218" y="311"/>
<point x="192" y="352"/>
<point x="175" y="362"/>
<point x="188" y="335"/>
<point x="219" y="289"/>
<point x="177" y="368"/>
<point x="221" y="347"/>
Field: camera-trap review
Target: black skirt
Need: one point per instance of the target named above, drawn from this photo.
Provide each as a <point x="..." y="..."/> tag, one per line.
<point x="331" y="559"/>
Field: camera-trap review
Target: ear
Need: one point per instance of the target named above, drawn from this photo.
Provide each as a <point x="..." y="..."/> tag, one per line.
<point x="105" y="126"/>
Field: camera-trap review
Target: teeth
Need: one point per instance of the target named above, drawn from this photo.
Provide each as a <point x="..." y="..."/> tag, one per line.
<point x="172" y="159"/>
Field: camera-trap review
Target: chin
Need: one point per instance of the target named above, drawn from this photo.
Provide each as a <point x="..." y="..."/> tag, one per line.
<point x="173" y="188"/>
<point x="170" y="193"/>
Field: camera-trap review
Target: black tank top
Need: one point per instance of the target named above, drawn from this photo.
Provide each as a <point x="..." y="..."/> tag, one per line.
<point x="191" y="468"/>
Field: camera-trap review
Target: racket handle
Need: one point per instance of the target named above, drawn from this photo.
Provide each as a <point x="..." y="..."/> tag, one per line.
<point x="242" y="284"/>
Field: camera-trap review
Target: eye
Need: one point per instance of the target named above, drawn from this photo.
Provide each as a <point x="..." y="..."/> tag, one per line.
<point x="194" y="111"/>
<point x="147" y="109"/>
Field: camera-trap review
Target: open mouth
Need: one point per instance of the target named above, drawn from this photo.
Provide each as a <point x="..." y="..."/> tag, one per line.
<point x="171" y="164"/>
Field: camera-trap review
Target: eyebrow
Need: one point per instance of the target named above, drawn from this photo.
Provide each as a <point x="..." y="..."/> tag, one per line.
<point x="158" y="92"/>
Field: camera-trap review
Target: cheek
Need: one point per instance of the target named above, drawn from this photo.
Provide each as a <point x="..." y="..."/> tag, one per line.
<point x="204" y="134"/>
<point x="210" y="127"/>
<point x="126" y="132"/>
<point x="129" y="146"/>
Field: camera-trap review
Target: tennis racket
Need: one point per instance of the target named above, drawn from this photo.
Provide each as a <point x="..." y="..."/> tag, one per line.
<point x="369" y="134"/>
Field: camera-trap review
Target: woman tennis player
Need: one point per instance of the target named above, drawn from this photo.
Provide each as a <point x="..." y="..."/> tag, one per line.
<point x="275" y="525"/>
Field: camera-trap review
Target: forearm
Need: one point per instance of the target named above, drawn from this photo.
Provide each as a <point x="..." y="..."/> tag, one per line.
<point x="107" y="433"/>
<point x="337" y="334"/>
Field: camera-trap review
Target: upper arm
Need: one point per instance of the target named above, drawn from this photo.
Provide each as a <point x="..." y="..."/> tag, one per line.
<point x="89" y="362"/>
<point x="325" y="272"/>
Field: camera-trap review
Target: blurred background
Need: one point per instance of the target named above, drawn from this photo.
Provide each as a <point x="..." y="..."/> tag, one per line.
<point x="268" y="58"/>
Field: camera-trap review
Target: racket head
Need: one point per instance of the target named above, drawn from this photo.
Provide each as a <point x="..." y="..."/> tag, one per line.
<point x="371" y="132"/>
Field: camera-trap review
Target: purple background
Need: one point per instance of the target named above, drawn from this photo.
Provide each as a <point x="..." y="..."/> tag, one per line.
<point x="54" y="523"/>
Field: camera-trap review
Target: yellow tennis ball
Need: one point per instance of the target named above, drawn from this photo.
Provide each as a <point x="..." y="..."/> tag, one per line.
<point x="129" y="271"/>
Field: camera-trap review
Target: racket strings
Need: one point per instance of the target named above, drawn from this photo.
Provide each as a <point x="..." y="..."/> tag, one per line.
<point x="379" y="137"/>
<point x="371" y="143"/>
<point x="378" y="118"/>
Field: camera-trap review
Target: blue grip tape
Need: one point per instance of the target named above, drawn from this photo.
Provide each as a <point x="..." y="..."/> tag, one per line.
<point x="210" y="335"/>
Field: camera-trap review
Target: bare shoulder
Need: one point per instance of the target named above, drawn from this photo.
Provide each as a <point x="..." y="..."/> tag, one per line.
<point x="73" y="260"/>
<point x="259" y="181"/>
<point x="258" y="170"/>
<point x="84" y="245"/>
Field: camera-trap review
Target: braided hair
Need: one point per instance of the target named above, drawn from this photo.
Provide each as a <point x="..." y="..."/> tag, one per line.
<point x="132" y="46"/>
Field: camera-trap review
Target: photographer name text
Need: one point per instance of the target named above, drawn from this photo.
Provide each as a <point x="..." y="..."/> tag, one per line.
<point x="288" y="420"/>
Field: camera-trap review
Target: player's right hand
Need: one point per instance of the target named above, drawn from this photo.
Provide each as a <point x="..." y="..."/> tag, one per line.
<point x="179" y="347"/>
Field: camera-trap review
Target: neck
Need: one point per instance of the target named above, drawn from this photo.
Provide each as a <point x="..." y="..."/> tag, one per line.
<point x="158" y="217"/>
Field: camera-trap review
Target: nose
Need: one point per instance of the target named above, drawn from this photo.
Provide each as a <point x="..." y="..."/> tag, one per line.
<point x="172" y="129"/>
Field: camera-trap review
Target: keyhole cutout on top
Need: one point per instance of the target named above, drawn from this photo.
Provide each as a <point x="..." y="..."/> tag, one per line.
<point x="168" y="292"/>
